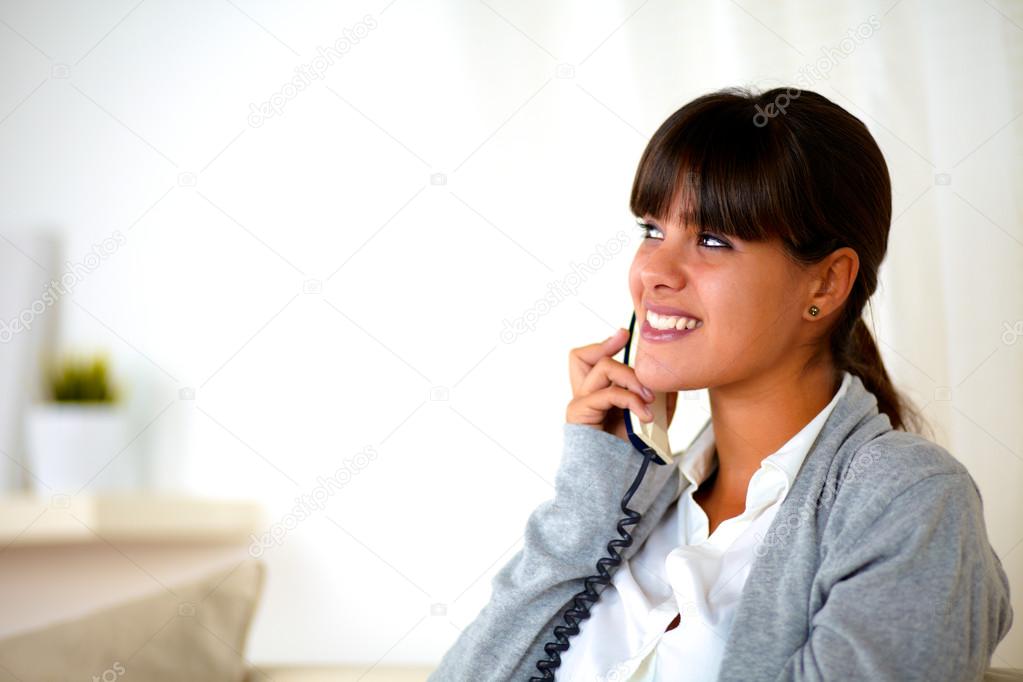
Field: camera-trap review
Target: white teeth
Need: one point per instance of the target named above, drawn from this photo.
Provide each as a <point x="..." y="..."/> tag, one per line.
<point x="668" y="322"/>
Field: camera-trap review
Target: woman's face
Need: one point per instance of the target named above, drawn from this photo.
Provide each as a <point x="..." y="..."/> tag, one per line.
<point x="749" y="297"/>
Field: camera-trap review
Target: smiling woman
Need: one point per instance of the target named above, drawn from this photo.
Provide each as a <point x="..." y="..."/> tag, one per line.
<point x="808" y="532"/>
<point x="801" y="203"/>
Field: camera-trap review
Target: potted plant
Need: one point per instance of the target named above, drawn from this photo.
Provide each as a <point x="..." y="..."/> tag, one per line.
<point x="76" y="437"/>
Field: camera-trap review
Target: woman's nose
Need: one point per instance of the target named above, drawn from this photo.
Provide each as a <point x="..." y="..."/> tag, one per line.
<point x="664" y="267"/>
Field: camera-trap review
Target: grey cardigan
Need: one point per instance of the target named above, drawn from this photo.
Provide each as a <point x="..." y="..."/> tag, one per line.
<point x="876" y="567"/>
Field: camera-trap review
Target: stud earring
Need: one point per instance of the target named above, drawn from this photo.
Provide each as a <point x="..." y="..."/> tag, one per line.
<point x="814" y="310"/>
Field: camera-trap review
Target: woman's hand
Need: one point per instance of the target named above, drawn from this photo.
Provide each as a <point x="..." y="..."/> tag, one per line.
<point x="603" y="387"/>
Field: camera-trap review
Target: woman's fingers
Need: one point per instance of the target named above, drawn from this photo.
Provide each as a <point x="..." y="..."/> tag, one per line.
<point x="609" y="372"/>
<point x="602" y="387"/>
<point x="581" y="360"/>
<point x="592" y="409"/>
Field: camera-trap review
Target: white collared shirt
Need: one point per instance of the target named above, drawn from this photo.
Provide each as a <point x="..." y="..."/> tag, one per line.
<point x="682" y="570"/>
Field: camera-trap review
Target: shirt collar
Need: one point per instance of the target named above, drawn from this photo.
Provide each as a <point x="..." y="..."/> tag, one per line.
<point x="699" y="460"/>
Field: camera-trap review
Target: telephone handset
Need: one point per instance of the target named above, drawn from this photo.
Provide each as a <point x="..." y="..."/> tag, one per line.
<point x="653" y="435"/>
<point x="651" y="440"/>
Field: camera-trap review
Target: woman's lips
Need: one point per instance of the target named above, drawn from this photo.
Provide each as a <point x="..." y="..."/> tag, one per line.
<point x="649" y="333"/>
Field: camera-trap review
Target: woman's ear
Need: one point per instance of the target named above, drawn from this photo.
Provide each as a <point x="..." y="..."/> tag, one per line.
<point x="836" y="275"/>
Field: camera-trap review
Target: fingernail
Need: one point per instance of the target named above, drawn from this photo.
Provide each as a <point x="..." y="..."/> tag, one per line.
<point x="646" y="411"/>
<point x="648" y="393"/>
<point x="613" y="336"/>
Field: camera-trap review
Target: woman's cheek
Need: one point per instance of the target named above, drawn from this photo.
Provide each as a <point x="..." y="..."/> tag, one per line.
<point x="636" y="289"/>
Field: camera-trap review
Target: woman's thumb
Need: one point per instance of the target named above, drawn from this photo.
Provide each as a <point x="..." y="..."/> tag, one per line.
<point x="617" y="336"/>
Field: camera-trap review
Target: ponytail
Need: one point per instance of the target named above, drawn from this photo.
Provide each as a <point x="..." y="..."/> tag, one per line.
<point x="854" y="350"/>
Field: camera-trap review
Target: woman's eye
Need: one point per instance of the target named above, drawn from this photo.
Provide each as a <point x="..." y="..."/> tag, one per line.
<point x="644" y="229"/>
<point x="724" y="244"/>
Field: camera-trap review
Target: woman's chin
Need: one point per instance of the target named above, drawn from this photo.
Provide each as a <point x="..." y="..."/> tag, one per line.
<point x="661" y="380"/>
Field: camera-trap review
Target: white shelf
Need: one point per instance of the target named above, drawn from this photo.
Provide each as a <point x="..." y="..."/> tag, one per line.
<point x="29" y="519"/>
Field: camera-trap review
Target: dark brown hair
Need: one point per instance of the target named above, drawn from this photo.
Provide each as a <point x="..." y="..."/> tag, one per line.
<point x="790" y="165"/>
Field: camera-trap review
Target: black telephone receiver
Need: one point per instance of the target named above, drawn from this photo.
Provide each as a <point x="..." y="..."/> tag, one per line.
<point x="651" y="440"/>
<point x="647" y="437"/>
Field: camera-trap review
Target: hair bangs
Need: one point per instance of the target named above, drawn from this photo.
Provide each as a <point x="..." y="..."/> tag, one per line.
<point x="711" y="167"/>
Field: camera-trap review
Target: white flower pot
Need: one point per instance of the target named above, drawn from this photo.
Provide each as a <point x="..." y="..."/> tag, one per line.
<point x="71" y="446"/>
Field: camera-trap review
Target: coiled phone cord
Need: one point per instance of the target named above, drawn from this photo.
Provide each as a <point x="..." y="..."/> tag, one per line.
<point x="580" y="610"/>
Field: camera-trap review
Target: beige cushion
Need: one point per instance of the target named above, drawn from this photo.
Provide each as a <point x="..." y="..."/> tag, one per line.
<point x="1003" y="675"/>
<point x="196" y="634"/>
<point x="340" y="673"/>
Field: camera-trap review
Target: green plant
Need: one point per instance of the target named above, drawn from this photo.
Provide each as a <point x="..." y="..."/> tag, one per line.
<point x="80" y="379"/>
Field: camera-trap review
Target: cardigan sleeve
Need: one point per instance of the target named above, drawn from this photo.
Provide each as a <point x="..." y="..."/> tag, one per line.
<point x="921" y="595"/>
<point x="563" y="539"/>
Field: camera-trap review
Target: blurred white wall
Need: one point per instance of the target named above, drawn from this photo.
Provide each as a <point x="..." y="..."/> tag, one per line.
<point x="332" y="276"/>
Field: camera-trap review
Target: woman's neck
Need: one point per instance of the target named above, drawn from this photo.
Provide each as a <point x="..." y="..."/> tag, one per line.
<point x="753" y="421"/>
